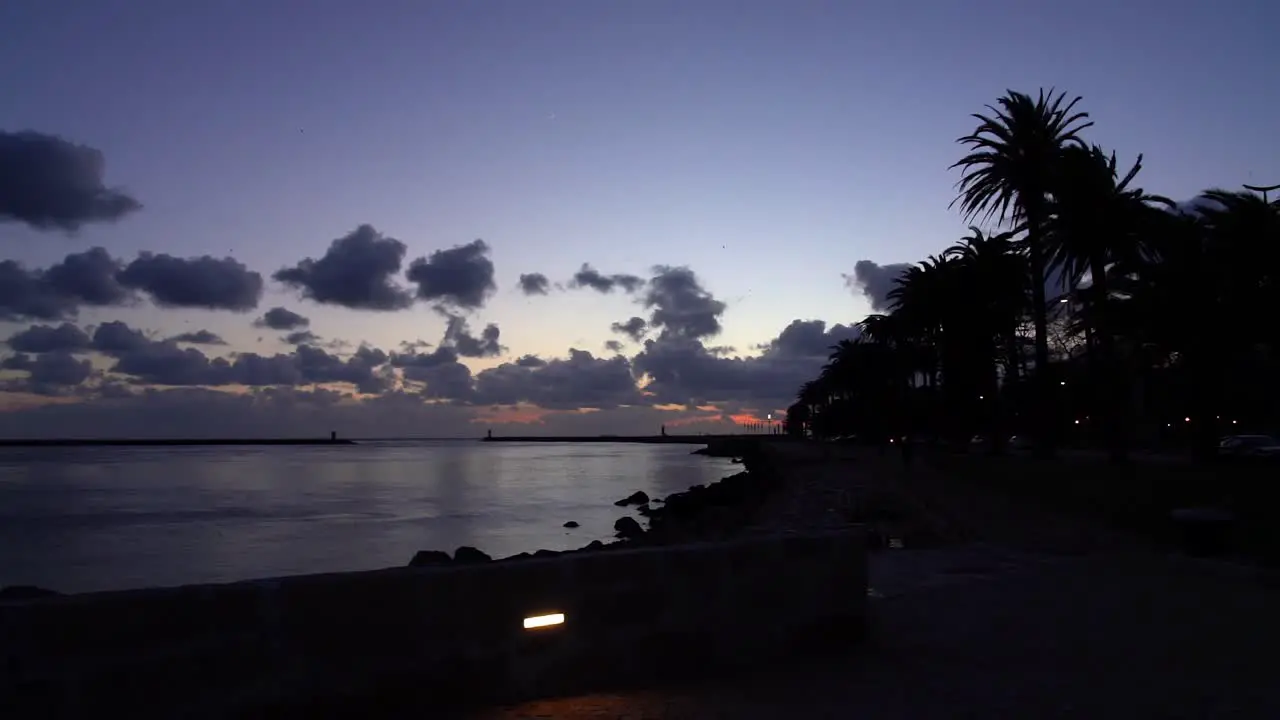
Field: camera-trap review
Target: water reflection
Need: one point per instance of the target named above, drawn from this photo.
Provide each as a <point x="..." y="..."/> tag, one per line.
<point x="77" y="519"/>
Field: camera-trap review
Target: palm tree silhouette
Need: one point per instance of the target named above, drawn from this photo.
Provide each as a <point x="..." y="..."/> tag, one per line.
<point x="1008" y="174"/>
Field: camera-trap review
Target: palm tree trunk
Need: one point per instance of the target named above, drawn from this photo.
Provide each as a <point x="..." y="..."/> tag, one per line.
<point x="1045" y="408"/>
<point x="1115" y="393"/>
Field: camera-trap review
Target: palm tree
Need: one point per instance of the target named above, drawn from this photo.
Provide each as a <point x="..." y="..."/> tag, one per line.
<point x="1008" y="174"/>
<point x="1097" y="220"/>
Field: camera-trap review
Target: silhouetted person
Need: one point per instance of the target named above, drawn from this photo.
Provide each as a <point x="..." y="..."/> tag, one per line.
<point x="333" y="436"/>
<point x="664" y="431"/>
<point x="490" y="435"/>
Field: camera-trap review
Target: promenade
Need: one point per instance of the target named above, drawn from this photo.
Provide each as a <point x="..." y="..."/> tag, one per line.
<point x="997" y="611"/>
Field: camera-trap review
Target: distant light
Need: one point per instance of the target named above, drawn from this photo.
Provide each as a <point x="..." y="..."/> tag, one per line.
<point x="1077" y="422"/>
<point x="769" y="416"/>
<point x="539" y="621"/>
<point x="1064" y="382"/>
<point x="1186" y="419"/>
<point x="1063" y="300"/>
<point x="1233" y="422"/>
<point x="981" y="397"/>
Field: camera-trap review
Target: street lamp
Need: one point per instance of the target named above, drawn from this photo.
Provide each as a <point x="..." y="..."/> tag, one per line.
<point x="1262" y="189"/>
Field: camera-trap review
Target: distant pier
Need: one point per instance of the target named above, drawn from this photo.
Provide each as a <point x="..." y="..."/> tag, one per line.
<point x="166" y="442"/>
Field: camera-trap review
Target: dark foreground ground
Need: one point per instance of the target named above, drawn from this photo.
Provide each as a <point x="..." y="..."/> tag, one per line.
<point x="1063" y="638"/>
<point x="1020" y="610"/>
<point x="169" y="442"/>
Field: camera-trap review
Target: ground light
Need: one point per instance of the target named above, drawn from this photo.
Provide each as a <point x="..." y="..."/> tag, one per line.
<point x="541" y="621"/>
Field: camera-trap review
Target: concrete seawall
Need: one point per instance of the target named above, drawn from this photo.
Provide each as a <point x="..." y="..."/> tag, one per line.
<point x="441" y="634"/>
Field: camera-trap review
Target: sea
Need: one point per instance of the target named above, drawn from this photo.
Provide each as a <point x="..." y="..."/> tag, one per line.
<point x="84" y="519"/>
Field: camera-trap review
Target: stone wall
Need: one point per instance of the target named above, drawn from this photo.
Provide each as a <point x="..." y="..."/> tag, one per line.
<point x="438" y="634"/>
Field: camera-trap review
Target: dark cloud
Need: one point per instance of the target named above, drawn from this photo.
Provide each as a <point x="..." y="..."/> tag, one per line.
<point x="440" y="373"/>
<point x="613" y="346"/>
<point x="534" y="284"/>
<point x="682" y="370"/>
<point x="460" y="277"/>
<point x="413" y="345"/>
<point x="357" y="271"/>
<point x="46" y="339"/>
<point x="49" y="183"/>
<point x="89" y="277"/>
<point x="457" y="335"/>
<point x="875" y="281"/>
<point x="202" y="282"/>
<point x="588" y="276"/>
<point x="302" y="337"/>
<point x="530" y="361"/>
<point x="199" y="337"/>
<point x="50" y="373"/>
<point x="580" y="381"/>
<point x="163" y="362"/>
<point x="115" y="338"/>
<point x="278" y="318"/>
<point x="680" y="306"/>
<point x="635" y="328"/>
<point x="809" y="339"/>
<point x="58" y="292"/>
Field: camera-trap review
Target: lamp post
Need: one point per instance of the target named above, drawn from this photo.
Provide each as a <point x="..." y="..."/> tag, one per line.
<point x="1262" y="189"/>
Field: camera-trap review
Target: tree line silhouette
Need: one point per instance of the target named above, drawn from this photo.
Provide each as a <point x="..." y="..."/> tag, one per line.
<point x="1159" y="329"/>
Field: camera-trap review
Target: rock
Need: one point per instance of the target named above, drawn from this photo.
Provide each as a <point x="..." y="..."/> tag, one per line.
<point x="594" y="545"/>
<point x="427" y="558"/>
<point x="627" y="527"/>
<point x="25" y="592"/>
<point x="468" y="554"/>
<point x="571" y="524"/>
<point x="517" y="556"/>
<point x="636" y="498"/>
<point x="545" y="553"/>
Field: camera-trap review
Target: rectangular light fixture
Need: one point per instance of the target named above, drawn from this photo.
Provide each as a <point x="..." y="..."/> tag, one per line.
<point x="540" y="621"/>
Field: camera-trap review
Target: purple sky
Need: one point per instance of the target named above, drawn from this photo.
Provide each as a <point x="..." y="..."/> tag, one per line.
<point x="768" y="146"/>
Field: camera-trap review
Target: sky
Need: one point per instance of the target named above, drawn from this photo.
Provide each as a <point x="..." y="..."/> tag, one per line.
<point x="735" y="174"/>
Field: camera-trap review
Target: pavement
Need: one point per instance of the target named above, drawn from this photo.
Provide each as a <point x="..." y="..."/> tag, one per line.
<point x="1021" y="613"/>
<point x="985" y="632"/>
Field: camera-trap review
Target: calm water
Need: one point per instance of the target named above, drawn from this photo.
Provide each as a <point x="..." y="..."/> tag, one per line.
<point x="81" y="519"/>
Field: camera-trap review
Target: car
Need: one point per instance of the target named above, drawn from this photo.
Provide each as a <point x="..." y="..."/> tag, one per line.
<point x="1249" y="446"/>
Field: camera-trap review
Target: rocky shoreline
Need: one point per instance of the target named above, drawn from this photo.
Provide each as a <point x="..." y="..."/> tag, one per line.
<point x="716" y="511"/>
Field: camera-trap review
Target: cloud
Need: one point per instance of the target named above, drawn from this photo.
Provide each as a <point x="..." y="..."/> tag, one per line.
<point x="201" y="282"/>
<point x="580" y="381"/>
<point x="530" y="361"/>
<point x="199" y="337"/>
<point x="534" y="284"/>
<point x="57" y="292"/>
<point x="457" y="335"/>
<point x="613" y="345"/>
<point x="460" y="277"/>
<point x="875" y="281"/>
<point x="115" y="338"/>
<point x="357" y="271"/>
<point x="47" y="339"/>
<point x="48" y="183"/>
<point x="89" y="277"/>
<point x="302" y="337"/>
<point x="682" y="370"/>
<point x="278" y="318"/>
<point x="680" y="306"/>
<point x="163" y="362"/>
<point x="589" y="277"/>
<point x="439" y="373"/>
<point x="635" y="328"/>
<point x="51" y="373"/>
